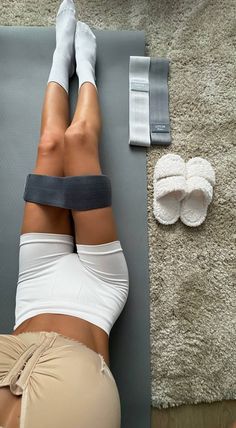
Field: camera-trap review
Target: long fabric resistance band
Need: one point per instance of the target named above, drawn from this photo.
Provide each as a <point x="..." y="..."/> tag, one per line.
<point x="159" y="106"/>
<point x="139" y="131"/>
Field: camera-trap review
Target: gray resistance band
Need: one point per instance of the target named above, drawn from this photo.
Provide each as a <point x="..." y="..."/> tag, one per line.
<point x="139" y="131"/>
<point x="158" y="96"/>
<point x="82" y="192"/>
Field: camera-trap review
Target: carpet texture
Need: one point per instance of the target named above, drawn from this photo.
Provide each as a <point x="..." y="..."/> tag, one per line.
<point x="192" y="275"/>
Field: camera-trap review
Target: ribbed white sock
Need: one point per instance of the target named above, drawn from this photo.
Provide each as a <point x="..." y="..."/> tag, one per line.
<point x="63" y="63"/>
<point x="85" y="53"/>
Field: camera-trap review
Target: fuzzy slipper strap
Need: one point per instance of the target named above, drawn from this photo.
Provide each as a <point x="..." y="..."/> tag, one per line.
<point x="200" y="167"/>
<point x="202" y="185"/>
<point x="171" y="184"/>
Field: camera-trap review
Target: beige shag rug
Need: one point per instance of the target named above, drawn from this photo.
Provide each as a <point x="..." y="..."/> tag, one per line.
<point x="192" y="283"/>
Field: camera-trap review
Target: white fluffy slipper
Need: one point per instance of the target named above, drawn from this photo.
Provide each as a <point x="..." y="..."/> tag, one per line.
<point x="200" y="179"/>
<point x="169" y="188"/>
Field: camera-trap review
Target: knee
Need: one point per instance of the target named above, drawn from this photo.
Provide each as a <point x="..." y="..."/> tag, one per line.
<point x="50" y="142"/>
<point x="80" y="134"/>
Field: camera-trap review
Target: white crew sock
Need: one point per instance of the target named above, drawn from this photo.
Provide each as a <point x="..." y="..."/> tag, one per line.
<point x="85" y="53"/>
<point x="63" y="63"/>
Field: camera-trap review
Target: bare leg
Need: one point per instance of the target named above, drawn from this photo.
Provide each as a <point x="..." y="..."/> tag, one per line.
<point x="81" y="157"/>
<point x="54" y="122"/>
<point x="88" y="107"/>
<point x="55" y="112"/>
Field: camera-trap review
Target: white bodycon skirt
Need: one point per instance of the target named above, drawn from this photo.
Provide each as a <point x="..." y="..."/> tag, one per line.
<point x="91" y="283"/>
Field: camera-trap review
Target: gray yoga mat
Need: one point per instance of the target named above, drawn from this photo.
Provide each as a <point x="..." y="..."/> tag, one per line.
<point x="25" y="61"/>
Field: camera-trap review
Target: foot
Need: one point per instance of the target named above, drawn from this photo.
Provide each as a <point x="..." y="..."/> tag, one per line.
<point x="65" y="33"/>
<point x="85" y="53"/>
<point x="63" y="64"/>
